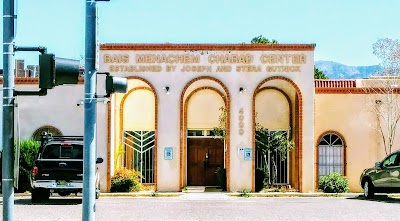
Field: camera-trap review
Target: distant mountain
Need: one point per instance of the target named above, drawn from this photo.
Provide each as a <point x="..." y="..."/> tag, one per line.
<point x="334" y="70"/>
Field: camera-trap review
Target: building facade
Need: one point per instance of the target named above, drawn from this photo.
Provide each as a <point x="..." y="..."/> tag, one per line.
<point x="178" y="93"/>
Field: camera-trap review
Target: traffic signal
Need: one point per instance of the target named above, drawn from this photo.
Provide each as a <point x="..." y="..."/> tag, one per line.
<point x="115" y="85"/>
<point x="57" y="71"/>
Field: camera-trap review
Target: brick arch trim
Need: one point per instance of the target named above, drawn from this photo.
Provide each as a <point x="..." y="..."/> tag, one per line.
<point x="298" y="129"/>
<point x="183" y="126"/>
<point x="204" y="88"/>
<point x="46" y="127"/>
<point x="317" y="152"/>
<point x="287" y="99"/>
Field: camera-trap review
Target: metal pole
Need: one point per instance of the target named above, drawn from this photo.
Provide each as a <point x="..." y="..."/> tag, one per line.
<point x="89" y="161"/>
<point x="8" y="111"/>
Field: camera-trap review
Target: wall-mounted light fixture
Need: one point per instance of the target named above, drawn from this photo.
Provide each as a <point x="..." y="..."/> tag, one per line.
<point x="242" y="90"/>
<point x="166" y="89"/>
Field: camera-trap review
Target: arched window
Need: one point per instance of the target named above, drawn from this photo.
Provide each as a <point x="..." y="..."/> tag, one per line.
<point x="45" y="129"/>
<point x="330" y="155"/>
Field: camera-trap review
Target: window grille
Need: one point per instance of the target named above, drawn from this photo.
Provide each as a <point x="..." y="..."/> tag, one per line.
<point x="330" y="155"/>
<point x="139" y="153"/>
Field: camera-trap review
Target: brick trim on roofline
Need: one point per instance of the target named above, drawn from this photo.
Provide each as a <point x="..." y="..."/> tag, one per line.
<point x="357" y="90"/>
<point x="32" y="80"/>
<point x="211" y="47"/>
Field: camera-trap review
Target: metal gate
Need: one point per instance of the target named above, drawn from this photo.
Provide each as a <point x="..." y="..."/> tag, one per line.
<point x="278" y="169"/>
<point x="139" y="153"/>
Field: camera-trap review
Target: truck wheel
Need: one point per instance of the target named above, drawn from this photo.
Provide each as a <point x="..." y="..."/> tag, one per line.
<point x="98" y="191"/>
<point x="45" y="194"/>
<point x="35" y="196"/>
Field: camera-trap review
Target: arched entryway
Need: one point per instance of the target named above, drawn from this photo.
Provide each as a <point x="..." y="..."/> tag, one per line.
<point x="277" y="103"/>
<point x="203" y="153"/>
<point x="136" y="121"/>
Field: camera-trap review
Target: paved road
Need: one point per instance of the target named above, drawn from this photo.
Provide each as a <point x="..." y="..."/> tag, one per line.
<point x="213" y="208"/>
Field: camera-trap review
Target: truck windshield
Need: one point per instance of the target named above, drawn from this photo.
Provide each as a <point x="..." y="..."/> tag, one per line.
<point x="57" y="151"/>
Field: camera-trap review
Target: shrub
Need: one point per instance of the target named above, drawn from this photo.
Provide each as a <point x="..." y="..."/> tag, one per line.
<point x="28" y="153"/>
<point x="244" y="193"/>
<point x="334" y="183"/>
<point x="126" y="180"/>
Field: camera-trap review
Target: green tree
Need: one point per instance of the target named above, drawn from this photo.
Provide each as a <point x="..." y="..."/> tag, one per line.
<point x="220" y="130"/>
<point x="268" y="142"/>
<point x="263" y="40"/>
<point x="318" y="74"/>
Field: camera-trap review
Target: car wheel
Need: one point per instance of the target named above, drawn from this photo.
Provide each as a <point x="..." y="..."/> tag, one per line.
<point x="368" y="189"/>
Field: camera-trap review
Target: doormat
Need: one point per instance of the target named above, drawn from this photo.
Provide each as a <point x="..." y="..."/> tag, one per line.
<point x="213" y="189"/>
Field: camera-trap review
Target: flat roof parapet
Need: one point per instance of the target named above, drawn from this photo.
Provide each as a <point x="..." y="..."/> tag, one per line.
<point x="210" y="47"/>
<point x="335" y="83"/>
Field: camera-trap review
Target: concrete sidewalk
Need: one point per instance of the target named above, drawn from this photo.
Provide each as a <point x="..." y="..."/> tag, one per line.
<point x="225" y="195"/>
<point x="219" y="195"/>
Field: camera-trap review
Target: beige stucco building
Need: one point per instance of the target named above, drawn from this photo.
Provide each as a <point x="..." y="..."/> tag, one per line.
<point x="176" y="95"/>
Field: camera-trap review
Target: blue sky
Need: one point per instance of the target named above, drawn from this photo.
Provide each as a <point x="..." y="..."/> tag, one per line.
<point x="343" y="30"/>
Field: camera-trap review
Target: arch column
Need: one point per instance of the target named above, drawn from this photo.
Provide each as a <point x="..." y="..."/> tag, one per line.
<point x="241" y="176"/>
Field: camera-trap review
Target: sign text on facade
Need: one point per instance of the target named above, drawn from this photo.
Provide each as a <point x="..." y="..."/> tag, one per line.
<point x="209" y="63"/>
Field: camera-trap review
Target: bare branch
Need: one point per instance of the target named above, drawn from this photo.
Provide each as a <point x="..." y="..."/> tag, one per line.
<point x="383" y="91"/>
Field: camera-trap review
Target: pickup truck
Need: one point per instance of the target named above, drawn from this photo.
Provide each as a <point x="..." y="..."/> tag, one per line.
<point x="58" y="168"/>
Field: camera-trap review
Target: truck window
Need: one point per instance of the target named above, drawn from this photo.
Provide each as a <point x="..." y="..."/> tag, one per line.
<point x="57" y="151"/>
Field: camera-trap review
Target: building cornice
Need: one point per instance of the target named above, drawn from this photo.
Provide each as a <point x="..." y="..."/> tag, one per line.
<point x="358" y="90"/>
<point x="210" y="47"/>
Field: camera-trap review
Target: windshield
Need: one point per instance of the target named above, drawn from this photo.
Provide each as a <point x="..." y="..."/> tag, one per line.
<point x="58" y="151"/>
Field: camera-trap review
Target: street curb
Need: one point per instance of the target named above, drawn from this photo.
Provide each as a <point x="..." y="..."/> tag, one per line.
<point x="274" y="194"/>
<point x="139" y="194"/>
<point x="237" y="194"/>
<point x="233" y="194"/>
